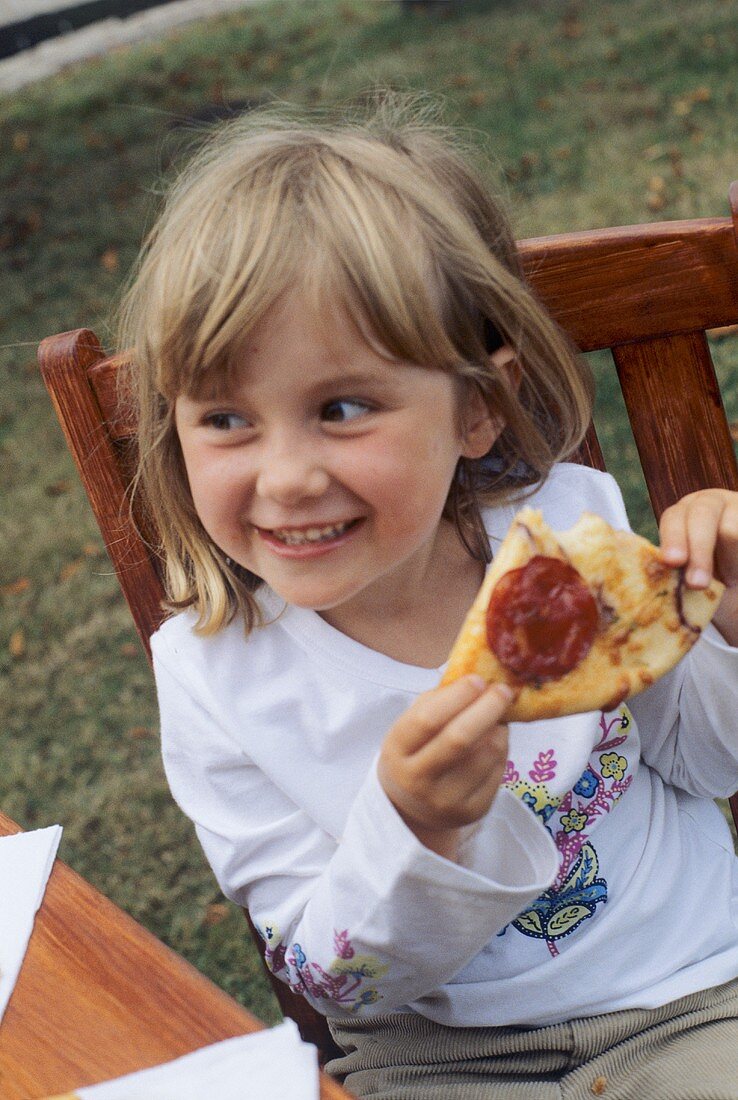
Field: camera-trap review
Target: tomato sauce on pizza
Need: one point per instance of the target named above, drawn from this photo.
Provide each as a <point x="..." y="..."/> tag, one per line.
<point x="541" y="620"/>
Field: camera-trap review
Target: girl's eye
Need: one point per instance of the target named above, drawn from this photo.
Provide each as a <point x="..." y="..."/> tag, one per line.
<point x="341" y="411"/>
<point x="225" y="422"/>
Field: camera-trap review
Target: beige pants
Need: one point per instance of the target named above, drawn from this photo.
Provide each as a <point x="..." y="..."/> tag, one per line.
<point x="686" y="1050"/>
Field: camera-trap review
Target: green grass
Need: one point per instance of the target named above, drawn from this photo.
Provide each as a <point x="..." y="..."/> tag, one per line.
<point x="593" y="114"/>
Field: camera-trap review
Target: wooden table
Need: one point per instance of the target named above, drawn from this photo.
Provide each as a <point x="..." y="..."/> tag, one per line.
<point x="99" y="996"/>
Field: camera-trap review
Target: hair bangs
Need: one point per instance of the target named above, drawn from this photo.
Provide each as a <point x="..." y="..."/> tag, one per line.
<point x="233" y="281"/>
<point x="374" y="264"/>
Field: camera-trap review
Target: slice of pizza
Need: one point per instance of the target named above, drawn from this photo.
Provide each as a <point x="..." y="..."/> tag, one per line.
<point x="577" y="620"/>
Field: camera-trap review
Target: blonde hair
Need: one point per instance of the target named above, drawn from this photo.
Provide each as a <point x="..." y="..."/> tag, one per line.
<point x="382" y="218"/>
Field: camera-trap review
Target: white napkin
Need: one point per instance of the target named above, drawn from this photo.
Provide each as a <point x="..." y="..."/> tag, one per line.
<point x="26" y="860"/>
<point x="274" y="1064"/>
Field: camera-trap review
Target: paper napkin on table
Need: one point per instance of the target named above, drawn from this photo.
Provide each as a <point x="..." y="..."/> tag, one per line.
<point x="274" y="1064"/>
<point x="26" y="860"/>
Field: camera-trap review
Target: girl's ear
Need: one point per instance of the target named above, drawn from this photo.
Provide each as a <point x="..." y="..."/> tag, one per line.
<point x="481" y="427"/>
<point x="506" y="361"/>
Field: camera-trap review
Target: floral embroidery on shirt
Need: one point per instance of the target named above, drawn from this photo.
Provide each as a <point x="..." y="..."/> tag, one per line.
<point x="340" y="983"/>
<point x="559" y="911"/>
<point x="544" y="767"/>
<point x="587" y="784"/>
<point x="613" y="765"/>
<point x="574" y="821"/>
<point x="533" y="791"/>
<point x="577" y="890"/>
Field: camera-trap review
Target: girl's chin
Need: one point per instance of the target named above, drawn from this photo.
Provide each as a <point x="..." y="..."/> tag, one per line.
<point x="320" y="600"/>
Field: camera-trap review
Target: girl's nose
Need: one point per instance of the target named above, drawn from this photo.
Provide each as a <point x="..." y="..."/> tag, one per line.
<point x="291" y="472"/>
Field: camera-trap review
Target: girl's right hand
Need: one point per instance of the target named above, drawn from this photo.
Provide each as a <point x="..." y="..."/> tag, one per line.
<point x="443" y="761"/>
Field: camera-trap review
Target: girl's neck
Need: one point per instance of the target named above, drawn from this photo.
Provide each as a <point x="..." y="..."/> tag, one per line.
<point x="418" y="617"/>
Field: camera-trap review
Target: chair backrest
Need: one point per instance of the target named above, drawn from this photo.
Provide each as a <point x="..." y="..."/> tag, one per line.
<point x="647" y="292"/>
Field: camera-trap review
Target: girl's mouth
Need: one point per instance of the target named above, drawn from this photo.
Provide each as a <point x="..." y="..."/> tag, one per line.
<point x="292" y="536"/>
<point x="306" y="540"/>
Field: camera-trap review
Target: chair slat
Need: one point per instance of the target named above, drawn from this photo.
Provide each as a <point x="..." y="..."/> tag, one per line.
<point x="614" y="286"/>
<point x="589" y="452"/>
<point x="65" y="360"/>
<point x="670" y="383"/>
<point x="104" y="377"/>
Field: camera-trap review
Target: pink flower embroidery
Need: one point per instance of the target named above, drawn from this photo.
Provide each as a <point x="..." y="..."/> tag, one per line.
<point x="544" y="768"/>
<point x="342" y="944"/>
<point x="345" y="982"/>
<point x="511" y="775"/>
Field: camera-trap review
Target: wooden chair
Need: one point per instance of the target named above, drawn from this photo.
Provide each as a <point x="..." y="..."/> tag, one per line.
<point x="647" y="292"/>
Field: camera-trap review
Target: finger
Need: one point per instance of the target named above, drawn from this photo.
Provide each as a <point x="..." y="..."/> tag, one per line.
<point x="688" y="532"/>
<point x="463" y="792"/>
<point x="726" y="555"/>
<point x="472" y="737"/>
<point x="673" y="535"/>
<point x="703" y="522"/>
<point x="489" y="786"/>
<point x="433" y="710"/>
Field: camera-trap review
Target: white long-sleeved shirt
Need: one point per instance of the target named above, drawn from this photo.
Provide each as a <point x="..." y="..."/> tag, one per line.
<point x="602" y="878"/>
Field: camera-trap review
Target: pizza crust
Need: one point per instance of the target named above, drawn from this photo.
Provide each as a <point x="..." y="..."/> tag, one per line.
<point x="648" y="618"/>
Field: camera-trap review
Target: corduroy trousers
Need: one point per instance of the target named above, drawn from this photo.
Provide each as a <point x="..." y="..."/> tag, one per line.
<point x="685" y="1050"/>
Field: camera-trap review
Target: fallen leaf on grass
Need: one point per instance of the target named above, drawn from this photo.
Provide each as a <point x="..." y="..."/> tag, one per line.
<point x="17" y="644"/>
<point x="181" y="78"/>
<point x="215" y="913"/>
<point x="572" y="28"/>
<point x="15" y="587"/>
<point x="655" y="200"/>
<point x="15" y="229"/>
<point x="656" y="197"/>
<point x="683" y="104"/>
<point x="70" y="569"/>
<point x="58" y="488"/>
<point x="271" y="63"/>
<point x="93" y="139"/>
<point x="110" y="260"/>
<point x="139" y="733"/>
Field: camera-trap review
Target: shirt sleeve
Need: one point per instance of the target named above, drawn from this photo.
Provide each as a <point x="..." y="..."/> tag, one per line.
<point x="688" y="720"/>
<point x="369" y="921"/>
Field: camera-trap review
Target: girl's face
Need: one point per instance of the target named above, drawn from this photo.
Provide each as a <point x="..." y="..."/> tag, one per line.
<point x="325" y="468"/>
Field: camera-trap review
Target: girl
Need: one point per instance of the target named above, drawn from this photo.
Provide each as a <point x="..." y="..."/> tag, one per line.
<point x="345" y="389"/>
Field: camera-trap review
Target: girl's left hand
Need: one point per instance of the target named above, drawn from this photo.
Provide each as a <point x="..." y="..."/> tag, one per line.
<point x="700" y="532"/>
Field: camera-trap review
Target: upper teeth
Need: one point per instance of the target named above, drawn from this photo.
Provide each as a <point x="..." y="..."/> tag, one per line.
<point x="310" y="534"/>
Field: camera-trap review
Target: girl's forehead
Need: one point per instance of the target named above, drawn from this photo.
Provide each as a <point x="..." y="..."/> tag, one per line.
<point x="313" y="349"/>
<point x="311" y="326"/>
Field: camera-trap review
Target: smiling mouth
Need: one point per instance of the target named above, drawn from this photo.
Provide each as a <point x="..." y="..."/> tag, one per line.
<point x="306" y="536"/>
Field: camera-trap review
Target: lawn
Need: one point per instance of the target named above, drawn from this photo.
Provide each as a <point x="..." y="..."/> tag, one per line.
<point x="592" y="114"/>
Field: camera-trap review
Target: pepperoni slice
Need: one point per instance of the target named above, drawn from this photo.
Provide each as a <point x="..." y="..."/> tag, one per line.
<point x="541" y="620"/>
